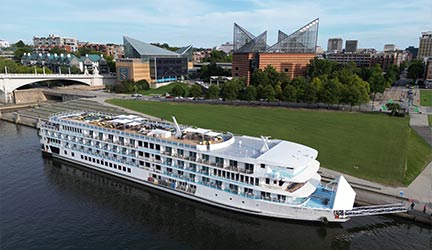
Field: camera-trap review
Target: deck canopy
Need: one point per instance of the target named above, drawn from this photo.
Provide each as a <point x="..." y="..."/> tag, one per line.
<point x="288" y="154"/>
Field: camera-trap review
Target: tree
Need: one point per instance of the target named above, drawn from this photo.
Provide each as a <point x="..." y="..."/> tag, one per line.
<point x="396" y="109"/>
<point x="330" y="92"/>
<point x="195" y="91"/>
<point x="310" y="93"/>
<point x="230" y="90"/>
<point x="415" y="69"/>
<point x="355" y="92"/>
<point x="212" y="70"/>
<point x="376" y="82"/>
<point x="268" y="93"/>
<point x="57" y="50"/>
<point x="20" y="49"/>
<point x="318" y="67"/>
<point x="259" y="77"/>
<point x="142" y="85"/>
<point x="249" y="93"/>
<point x="289" y="94"/>
<point x="299" y="83"/>
<point x="178" y="90"/>
<point x="217" y="56"/>
<point x="212" y="92"/>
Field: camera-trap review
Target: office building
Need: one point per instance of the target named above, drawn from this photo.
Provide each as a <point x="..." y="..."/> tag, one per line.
<point x="425" y="45"/>
<point x="334" y="45"/>
<point x="290" y="55"/>
<point x="351" y="46"/>
<point x="413" y="51"/>
<point x="389" y="47"/>
<point x="151" y="63"/>
<point x="226" y="47"/>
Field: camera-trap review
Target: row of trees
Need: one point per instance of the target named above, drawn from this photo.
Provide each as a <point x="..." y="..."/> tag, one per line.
<point x="13" y="67"/>
<point x="327" y="82"/>
<point x="130" y="86"/>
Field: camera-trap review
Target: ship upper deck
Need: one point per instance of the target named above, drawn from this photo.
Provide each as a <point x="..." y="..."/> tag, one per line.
<point x="149" y="127"/>
<point x="273" y="152"/>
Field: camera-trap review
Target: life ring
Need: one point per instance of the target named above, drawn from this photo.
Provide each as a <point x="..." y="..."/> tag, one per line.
<point x="150" y="179"/>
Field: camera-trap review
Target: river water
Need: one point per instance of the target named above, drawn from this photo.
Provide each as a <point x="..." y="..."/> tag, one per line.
<point x="49" y="204"/>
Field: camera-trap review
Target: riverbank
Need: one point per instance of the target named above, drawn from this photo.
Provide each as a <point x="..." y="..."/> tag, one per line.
<point x="368" y="193"/>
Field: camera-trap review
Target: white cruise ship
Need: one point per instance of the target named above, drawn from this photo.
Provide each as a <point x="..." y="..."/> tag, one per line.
<point x="258" y="176"/>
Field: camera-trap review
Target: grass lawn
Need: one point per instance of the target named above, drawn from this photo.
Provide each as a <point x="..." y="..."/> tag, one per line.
<point x="371" y="146"/>
<point x="430" y="120"/>
<point x="426" y="97"/>
<point x="164" y="89"/>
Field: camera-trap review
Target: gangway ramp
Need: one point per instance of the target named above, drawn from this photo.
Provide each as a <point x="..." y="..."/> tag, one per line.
<point x="376" y="210"/>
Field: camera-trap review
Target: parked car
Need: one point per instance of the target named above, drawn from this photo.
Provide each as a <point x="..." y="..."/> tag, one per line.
<point x="136" y="95"/>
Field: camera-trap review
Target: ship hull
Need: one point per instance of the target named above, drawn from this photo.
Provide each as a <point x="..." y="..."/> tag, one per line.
<point x="214" y="197"/>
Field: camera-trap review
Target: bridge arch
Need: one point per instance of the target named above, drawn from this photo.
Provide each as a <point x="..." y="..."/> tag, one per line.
<point x="32" y="81"/>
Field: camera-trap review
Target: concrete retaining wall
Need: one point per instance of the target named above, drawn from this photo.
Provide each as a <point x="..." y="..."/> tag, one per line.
<point x="29" y="96"/>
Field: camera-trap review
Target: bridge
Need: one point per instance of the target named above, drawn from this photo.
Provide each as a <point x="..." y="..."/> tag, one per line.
<point x="10" y="82"/>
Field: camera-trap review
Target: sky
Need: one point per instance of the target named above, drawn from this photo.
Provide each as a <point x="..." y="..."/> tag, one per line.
<point x="210" y="23"/>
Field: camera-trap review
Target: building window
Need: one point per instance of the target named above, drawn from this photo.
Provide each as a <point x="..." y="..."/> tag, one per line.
<point x="286" y="70"/>
<point x="236" y="74"/>
<point x="236" y="68"/>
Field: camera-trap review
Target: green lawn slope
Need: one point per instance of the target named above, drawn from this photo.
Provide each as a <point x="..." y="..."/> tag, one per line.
<point x="371" y="146"/>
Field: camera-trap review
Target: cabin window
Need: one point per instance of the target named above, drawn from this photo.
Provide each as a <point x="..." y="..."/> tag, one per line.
<point x="140" y="143"/>
<point x="157" y="147"/>
<point x="168" y="150"/>
<point x="180" y="152"/>
<point x="147" y="164"/>
<point x="147" y="155"/>
<point x="158" y="167"/>
<point x="267" y="180"/>
<point x="233" y="163"/>
<point x="262" y="165"/>
<point x="151" y="146"/>
<point x="146" y="144"/>
<point x="129" y="170"/>
<point x="249" y="168"/>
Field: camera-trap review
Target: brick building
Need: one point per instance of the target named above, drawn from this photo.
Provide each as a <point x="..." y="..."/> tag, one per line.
<point x="290" y="55"/>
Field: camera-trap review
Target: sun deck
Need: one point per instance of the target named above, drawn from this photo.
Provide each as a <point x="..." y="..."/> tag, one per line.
<point x="158" y="129"/>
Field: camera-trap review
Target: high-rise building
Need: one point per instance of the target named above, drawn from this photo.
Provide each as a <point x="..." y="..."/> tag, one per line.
<point x="351" y="46"/>
<point x="425" y="45"/>
<point x="334" y="45"/>
<point x="290" y="55"/>
<point x="390" y="47"/>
